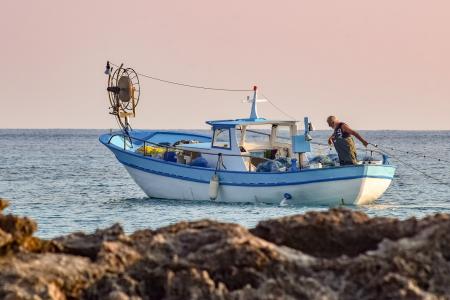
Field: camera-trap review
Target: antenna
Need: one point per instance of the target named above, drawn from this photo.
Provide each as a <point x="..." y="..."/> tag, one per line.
<point x="123" y="92"/>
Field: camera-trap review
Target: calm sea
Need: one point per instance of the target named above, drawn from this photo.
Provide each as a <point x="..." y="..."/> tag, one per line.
<point x="67" y="181"/>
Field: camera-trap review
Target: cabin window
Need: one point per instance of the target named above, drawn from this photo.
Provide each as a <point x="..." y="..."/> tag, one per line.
<point x="222" y="138"/>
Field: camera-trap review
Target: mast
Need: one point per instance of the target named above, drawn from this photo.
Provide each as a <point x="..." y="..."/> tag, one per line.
<point x="254" y="112"/>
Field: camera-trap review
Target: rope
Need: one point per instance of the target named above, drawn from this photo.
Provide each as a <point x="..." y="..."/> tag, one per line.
<point x="219" y="163"/>
<point x="414" y="153"/>
<point x="289" y="116"/>
<point x="208" y="88"/>
<point x="438" y="180"/>
<point x="189" y="85"/>
<point x="381" y="151"/>
<point x="278" y="108"/>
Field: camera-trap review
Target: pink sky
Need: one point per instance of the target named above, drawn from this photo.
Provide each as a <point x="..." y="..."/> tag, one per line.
<point x="375" y="64"/>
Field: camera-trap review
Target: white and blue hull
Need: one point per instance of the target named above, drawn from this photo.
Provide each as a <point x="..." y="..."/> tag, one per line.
<point x="350" y="185"/>
<point x="229" y="166"/>
<point x="355" y="191"/>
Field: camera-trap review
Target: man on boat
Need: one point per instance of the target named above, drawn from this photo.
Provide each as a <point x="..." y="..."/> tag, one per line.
<point x="343" y="141"/>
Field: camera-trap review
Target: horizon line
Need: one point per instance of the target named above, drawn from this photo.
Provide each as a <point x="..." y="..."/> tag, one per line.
<point x="164" y="129"/>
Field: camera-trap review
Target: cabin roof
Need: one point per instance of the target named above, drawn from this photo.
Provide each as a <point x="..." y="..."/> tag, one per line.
<point x="249" y="121"/>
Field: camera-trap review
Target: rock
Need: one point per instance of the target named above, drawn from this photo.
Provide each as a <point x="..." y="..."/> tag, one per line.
<point x="45" y="276"/>
<point x="89" y="245"/>
<point x="203" y="260"/>
<point x="415" y="267"/>
<point x="16" y="234"/>
<point x="3" y="204"/>
<point x="337" y="254"/>
<point x="339" y="231"/>
<point x="19" y="228"/>
<point x="5" y="238"/>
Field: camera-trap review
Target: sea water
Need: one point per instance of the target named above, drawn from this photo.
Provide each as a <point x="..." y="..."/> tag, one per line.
<point x="67" y="181"/>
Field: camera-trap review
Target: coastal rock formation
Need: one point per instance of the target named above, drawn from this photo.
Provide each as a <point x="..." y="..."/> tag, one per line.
<point x="336" y="254"/>
<point x="339" y="231"/>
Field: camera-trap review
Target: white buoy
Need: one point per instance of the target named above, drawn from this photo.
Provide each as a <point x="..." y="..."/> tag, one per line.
<point x="284" y="201"/>
<point x="214" y="187"/>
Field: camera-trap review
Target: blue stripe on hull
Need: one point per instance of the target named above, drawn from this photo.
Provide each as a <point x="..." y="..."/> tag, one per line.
<point x="252" y="184"/>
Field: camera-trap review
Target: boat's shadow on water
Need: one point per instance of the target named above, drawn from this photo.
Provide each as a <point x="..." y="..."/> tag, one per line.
<point x="156" y="202"/>
<point x="146" y="201"/>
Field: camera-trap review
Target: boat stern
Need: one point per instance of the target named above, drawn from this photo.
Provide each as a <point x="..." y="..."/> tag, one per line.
<point x="376" y="181"/>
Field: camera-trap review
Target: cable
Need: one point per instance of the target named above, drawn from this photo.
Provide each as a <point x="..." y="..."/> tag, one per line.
<point x="189" y="85"/>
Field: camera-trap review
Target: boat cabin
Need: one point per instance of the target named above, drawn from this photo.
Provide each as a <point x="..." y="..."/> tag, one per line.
<point x="246" y="143"/>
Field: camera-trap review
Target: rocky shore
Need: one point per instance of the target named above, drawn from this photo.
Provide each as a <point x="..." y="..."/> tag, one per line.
<point x="337" y="254"/>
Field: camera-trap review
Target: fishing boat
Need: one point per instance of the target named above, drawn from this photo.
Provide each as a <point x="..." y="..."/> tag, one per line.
<point x="230" y="164"/>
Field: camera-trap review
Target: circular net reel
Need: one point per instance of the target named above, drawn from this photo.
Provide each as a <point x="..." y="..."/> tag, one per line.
<point x="123" y="91"/>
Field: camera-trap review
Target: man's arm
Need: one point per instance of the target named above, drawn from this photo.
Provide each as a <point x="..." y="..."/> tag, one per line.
<point x="347" y="129"/>
<point x="330" y="140"/>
